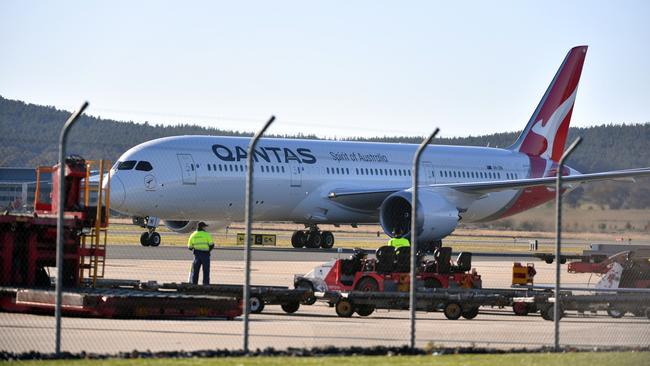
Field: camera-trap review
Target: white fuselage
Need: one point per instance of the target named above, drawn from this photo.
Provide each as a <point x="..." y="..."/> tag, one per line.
<point x="202" y="178"/>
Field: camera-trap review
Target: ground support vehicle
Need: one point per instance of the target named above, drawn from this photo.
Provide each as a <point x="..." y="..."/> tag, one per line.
<point x="628" y="269"/>
<point x="583" y="303"/>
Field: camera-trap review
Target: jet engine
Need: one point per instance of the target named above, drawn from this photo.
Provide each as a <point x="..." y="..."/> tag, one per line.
<point x="182" y="227"/>
<point x="437" y="217"/>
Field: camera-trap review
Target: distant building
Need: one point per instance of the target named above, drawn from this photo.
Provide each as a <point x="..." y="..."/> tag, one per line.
<point x="18" y="186"/>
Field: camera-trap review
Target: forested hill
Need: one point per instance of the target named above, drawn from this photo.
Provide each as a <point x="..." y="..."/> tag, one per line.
<point x="29" y="136"/>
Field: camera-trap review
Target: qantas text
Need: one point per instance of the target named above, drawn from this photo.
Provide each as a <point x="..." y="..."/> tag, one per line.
<point x="268" y="154"/>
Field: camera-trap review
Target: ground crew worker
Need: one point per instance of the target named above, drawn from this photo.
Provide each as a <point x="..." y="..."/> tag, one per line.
<point x="397" y="240"/>
<point x="200" y="243"/>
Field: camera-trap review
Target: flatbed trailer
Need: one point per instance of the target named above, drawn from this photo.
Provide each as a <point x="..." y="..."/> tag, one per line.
<point x="456" y="303"/>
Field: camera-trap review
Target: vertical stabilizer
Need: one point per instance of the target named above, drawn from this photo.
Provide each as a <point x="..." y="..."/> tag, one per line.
<point x="546" y="132"/>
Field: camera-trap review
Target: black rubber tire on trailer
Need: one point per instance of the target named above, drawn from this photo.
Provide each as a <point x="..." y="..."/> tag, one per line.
<point x="365" y="310"/>
<point x="298" y="239"/>
<point x="290" y="307"/>
<point x="520" y="308"/>
<point x="256" y="304"/>
<point x="548" y="313"/>
<point x="144" y="239"/>
<point x="154" y="240"/>
<point x="344" y="308"/>
<point x="470" y="313"/>
<point x="327" y="240"/>
<point x="453" y="310"/>
<point x="304" y="284"/>
<point x="615" y="313"/>
<point x="432" y="283"/>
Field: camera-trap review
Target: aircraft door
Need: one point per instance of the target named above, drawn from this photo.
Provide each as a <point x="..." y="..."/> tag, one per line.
<point x="188" y="168"/>
<point x="427" y="174"/>
<point x="295" y="170"/>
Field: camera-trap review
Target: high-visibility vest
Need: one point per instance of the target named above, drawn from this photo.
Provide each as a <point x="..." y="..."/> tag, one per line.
<point x="200" y="240"/>
<point x="399" y="242"/>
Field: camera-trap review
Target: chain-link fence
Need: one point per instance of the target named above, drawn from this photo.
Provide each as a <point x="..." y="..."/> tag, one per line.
<point x="500" y="297"/>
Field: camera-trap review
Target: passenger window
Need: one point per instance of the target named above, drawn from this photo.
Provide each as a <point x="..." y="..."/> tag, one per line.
<point x="126" y="165"/>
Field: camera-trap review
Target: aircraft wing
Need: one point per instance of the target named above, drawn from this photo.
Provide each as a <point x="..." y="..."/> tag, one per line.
<point x="373" y="197"/>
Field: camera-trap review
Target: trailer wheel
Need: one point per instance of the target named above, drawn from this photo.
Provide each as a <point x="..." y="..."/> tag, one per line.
<point x="365" y="310"/>
<point x="306" y="285"/>
<point x="520" y="308"/>
<point x="432" y="283"/>
<point x="548" y="313"/>
<point x="367" y="284"/>
<point x="255" y="304"/>
<point x="470" y="313"/>
<point x="344" y="308"/>
<point x="290" y="307"/>
<point x="298" y="239"/>
<point x="615" y="313"/>
<point x="453" y="310"/>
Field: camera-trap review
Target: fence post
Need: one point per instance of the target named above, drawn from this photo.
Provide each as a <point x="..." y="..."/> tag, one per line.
<point x="248" y="218"/>
<point x="414" y="204"/>
<point x="63" y="139"/>
<point x="558" y="232"/>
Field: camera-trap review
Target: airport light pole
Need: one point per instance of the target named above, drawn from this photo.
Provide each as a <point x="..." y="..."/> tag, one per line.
<point x="414" y="209"/>
<point x="63" y="139"/>
<point x="558" y="231"/>
<point x="248" y="218"/>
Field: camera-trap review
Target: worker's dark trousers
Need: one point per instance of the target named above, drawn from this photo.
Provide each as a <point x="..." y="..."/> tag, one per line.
<point x="201" y="258"/>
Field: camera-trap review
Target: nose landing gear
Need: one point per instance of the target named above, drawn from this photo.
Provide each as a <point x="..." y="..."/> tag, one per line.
<point x="149" y="237"/>
<point x="312" y="238"/>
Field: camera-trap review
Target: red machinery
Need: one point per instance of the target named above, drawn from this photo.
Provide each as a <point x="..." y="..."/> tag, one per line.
<point x="28" y="242"/>
<point x="389" y="272"/>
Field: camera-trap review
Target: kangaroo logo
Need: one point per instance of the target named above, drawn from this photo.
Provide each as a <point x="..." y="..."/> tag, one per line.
<point x="548" y="130"/>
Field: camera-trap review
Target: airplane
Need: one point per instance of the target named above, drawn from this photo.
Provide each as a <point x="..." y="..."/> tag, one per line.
<point x="187" y="179"/>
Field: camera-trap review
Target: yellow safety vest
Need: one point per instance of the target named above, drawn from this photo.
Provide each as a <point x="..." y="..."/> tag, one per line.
<point x="200" y="240"/>
<point x="399" y="242"/>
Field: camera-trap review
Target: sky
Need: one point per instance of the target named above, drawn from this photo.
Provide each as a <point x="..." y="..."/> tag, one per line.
<point x="330" y="68"/>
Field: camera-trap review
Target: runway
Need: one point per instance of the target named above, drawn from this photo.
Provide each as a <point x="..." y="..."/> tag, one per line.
<point x="310" y="326"/>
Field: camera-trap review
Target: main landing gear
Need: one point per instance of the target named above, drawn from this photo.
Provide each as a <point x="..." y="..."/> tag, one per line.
<point x="312" y="238"/>
<point x="149" y="237"/>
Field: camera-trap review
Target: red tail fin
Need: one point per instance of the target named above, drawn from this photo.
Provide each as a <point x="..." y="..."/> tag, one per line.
<point x="546" y="132"/>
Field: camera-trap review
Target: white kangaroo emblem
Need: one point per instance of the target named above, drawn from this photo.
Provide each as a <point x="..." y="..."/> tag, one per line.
<point x="549" y="130"/>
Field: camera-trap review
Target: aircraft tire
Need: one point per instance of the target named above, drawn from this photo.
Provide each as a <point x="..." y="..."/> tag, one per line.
<point x="144" y="239"/>
<point x="327" y="239"/>
<point x="314" y="239"/>
<point x="298" y="239"/>
<point x="154" y="239"/>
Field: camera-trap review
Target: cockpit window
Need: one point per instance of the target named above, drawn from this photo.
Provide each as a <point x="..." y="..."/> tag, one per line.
<point x="126" y="165"/>
<point x="144" y="166"/>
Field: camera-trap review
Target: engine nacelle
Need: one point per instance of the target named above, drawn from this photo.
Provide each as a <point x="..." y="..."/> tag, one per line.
<point x="437" y="217"/>
<point x="182" y="227"/>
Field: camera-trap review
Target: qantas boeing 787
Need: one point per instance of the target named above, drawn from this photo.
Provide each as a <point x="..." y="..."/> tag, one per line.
<point x="186" y="179"/>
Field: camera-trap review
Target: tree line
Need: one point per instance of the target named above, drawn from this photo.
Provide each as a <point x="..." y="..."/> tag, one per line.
<point x="30" y="138"/>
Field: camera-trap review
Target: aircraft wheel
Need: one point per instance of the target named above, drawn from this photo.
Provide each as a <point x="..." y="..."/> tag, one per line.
<point x="470" y="313"/>
<point x="314" y="239"/>
<point x="255" y="304"/>
<point x="144" y="239"/>
<point x="453" y="311"/>
<point x="291" y="307"/>
<point x="298" y="239"/>
<point x="154" y="239"/>
<point x="306" y="285"/>
<point x="327" y="240"/>
<point x="344" y="308"/>
<point x="365" y="310"/>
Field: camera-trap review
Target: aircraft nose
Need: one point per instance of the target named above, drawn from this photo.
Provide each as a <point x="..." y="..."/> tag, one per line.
<point x="118" y="193"/>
